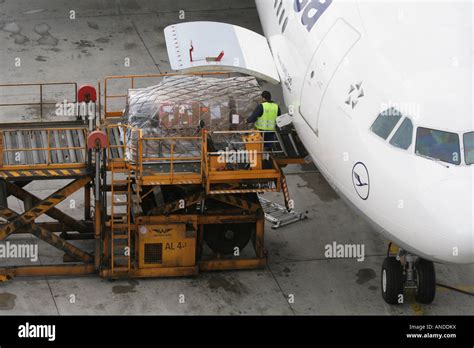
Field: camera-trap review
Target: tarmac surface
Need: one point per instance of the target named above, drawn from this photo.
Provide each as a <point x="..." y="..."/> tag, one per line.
<point x="298" y="279"/>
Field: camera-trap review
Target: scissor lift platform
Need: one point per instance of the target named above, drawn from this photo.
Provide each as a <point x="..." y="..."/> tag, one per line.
<point x="43" y="150"/>
<point x="157" y="212"/>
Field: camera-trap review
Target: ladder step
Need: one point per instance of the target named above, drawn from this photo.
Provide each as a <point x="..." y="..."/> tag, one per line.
<point x="120" y="227"/>
<point x="117" y="163"/>
<point x="120" y="204"/>
<point x="121" y="237"/>
<point x="121" y="269"/>
<point x="120" y="192"/>
<point x="122" y="233"/>
<point x="120" y="182"/>
<point x="121" y="246"/>
<point x="120" y="261"/>
<point x="117" y="222"/>
<point x="119" y="218"/>
<point x="121" y="257"/>
<point x="278" y="214"/>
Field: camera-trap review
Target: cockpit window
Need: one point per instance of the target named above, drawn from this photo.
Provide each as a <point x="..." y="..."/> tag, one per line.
<point x="439" y="145"/>
<point x="386" y="122"/>
<point x="469" y="148"/>
<point x="403" y="136"/>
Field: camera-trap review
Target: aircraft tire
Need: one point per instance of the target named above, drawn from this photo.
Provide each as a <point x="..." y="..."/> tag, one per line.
<point x="392" y="283"/>
<point x="426" y="281"/>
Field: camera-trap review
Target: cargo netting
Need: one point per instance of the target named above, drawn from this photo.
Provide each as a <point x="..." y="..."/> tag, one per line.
<point x="180" y="106"/>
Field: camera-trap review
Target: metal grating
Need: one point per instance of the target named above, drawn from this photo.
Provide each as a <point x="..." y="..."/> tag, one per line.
<point x="153" y="253"/>
<point x="30" y="147"/>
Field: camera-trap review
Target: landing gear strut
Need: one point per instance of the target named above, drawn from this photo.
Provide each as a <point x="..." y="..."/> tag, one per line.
<point x="402" y="270"/>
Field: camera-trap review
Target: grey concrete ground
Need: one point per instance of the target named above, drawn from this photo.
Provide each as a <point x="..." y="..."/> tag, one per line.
<point x="53" y="47"/>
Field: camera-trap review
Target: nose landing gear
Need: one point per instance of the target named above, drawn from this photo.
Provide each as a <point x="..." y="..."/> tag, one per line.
<point x="425" y="281"/>
<point x="402" y="270"/>
<point x="392" y="280"/>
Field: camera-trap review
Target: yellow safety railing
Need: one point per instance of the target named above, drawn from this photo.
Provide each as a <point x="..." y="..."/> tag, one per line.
<point x="48" y="150"/>
<point x="167" y="154"/>
<point x="252" y="148"/>
<point x="174" y="160"/>
<point x="122" y="145"/>
<point x="141" y="154"/>
<point x="242" y="161"/>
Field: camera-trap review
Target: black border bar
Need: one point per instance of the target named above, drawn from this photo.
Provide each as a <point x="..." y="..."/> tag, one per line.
<point x="171" y="330"/>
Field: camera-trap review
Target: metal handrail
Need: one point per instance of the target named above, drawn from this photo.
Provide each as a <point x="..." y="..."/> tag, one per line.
<point x="124" y="140"/>
<point x="48" y="148"/>
<point x="172" y="159"/>
<point x="137" y="145"/>
<point x="140" y="142"/>
<point x="40" y="91"/>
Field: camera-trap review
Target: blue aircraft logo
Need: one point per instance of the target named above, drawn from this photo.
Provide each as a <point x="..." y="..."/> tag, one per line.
<point x="312" y="11"/>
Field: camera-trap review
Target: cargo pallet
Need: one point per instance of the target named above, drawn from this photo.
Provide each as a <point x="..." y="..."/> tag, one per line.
<point x="163" y="215"/>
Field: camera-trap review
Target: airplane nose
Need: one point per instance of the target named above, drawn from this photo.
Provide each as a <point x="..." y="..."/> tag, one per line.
<point x="450" y="207"/>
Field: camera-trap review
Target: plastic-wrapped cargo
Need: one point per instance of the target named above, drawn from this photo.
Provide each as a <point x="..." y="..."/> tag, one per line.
<point x="178" y="105"/>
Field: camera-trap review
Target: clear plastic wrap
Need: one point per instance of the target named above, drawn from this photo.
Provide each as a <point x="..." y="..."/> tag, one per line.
<point x="178" y="105"/>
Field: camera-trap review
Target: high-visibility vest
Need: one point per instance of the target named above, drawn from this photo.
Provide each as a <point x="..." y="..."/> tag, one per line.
<point x="267" y="121"/>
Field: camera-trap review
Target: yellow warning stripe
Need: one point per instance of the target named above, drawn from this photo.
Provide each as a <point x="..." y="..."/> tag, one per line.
<point x="153" y="183"/>
<point x="240" y="191"/>
<point x="48" y="172"/>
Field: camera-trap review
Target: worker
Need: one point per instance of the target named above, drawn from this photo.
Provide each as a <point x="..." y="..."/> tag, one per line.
<point x="264" y="116"/>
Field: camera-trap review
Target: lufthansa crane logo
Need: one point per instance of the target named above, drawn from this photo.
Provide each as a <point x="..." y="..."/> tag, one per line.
<point x="361" y="181"/>
<point x="162" y="230"/>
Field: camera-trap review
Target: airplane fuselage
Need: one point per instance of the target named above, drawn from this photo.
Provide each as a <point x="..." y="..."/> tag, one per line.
<point x="341" y="65"/>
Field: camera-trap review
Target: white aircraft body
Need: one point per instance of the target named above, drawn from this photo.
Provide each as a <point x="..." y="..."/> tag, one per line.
<point x="381" y="95"/>
<point x="409" y="171"/>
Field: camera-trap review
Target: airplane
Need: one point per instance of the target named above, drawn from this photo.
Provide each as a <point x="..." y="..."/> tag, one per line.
<point x="380" y="93"/>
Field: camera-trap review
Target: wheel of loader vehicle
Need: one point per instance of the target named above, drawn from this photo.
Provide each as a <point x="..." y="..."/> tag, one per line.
<point x="392" y="280"/>
<point x="224" y="238"/>
<point x="425" y="281"/>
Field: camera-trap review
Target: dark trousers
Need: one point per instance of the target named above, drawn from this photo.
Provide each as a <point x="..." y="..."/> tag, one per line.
<point x="268" y="139"/>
